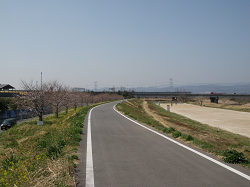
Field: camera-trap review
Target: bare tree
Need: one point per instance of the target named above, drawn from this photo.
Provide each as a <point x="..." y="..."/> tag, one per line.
<point x="183" y="97"/>
<point x="84" y="98"/>
<point x="75" y="98"/>
<point x="58" y="93"/>
<point x="67" y="99"/>
<point x="35" y="99"/>
<point x="200" y="100"/>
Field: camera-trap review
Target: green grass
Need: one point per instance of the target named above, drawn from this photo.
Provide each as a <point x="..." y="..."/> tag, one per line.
<point x="32" y="154"/>
<point x="197" y="134"/>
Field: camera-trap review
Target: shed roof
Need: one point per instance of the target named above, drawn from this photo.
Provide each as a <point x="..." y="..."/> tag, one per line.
<point x="6" y="86"/>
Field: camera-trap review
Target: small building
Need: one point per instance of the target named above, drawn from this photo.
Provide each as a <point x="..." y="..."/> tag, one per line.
<point x="174" y="98"/>
<point x="214" y="99"/>
<point x="6" y="87"/>
<point x="78" y="89"/>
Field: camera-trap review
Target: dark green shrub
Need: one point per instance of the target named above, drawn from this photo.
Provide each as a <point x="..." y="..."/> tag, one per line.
<point x="74" y="157"/>
<point x="54" y="151"/>
<point x="234" y="157"/>
<point x="176" y="134"/>
<point x="170" y="130"/>
<point x="164" y="130"/>
<point x="189" y="138"/>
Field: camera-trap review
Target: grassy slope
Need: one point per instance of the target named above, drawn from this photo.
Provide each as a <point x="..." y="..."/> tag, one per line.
<point x="32" y="155"/>
<point x="194" y="133"/>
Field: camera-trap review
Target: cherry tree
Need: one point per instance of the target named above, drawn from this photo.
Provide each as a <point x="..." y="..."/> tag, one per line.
<point x="58" y="93"/>
<point x="36" y="99"/>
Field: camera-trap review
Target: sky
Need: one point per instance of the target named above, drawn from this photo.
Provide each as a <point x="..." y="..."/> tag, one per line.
<point x="128" y="43"/>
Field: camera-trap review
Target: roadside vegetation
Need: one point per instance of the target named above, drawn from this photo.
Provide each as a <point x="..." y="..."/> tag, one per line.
<point x="45" y="155"/>
<point x="34" y="155"/>
<point x="231" y="148"/>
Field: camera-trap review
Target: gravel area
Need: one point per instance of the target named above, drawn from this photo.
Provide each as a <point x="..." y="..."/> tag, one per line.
<point x="233" y="121"/>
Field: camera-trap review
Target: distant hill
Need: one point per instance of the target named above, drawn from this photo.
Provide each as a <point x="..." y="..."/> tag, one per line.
<point x="243" y="88"/>
<point x="229" y="89"/>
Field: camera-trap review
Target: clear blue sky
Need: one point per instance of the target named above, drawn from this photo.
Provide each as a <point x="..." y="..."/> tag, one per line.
<point x="126" y="43"/>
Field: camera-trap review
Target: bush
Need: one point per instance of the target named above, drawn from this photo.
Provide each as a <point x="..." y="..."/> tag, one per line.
<point x="176" y="134"/>
<point x="74" y="157"/>
<point x="189" y="138"/>
<point x="234" y="157"/>
<point x="170" y="129"/>
<point x="164" y="130"/>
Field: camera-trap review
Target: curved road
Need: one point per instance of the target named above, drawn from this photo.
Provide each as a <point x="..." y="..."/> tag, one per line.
<point x="126" y="154"/>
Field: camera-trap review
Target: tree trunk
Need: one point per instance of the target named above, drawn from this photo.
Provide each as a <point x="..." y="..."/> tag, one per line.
<point x="56" y="112"/>
<point x="41" y="116"/>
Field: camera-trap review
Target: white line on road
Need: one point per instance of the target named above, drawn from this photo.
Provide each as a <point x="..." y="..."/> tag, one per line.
<point x="190" y="149"/>
<point x="89" y="157"/>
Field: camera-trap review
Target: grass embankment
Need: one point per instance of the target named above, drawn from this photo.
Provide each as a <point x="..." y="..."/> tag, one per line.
<point x="230" y="147"/>
<point x="32" y="155"/>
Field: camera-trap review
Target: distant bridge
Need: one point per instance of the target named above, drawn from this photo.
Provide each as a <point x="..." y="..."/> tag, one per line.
<point x="188" y="94"/>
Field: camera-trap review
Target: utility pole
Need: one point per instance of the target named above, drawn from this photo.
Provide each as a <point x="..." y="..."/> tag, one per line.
<point x="41" y="80"/>
<point x="171" y="84"/>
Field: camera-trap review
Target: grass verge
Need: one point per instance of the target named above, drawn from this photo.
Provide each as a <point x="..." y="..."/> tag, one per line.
<point x="227" y="146"/>
<point x="32" y="155"/>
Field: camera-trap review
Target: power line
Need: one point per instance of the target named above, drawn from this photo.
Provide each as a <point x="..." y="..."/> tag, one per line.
<point x="95" y="85"/>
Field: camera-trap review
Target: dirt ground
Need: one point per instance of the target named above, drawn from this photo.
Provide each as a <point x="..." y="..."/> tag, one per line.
<point x="233" y="121"/>
<point x="156" y="117"/>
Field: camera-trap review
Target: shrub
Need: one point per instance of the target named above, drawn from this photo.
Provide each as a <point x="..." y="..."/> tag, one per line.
<point x="170" y="129"/>
<point x="176" y="134"/>
<point x="164" y="130"/>
<point x="74" y="157"/>
<point x="54" y="151"/>
<point x="189" y="138"/>
<point x="234" y="157"/>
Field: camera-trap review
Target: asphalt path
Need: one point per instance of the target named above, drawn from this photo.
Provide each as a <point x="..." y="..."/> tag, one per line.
<point x="127" y="154"/>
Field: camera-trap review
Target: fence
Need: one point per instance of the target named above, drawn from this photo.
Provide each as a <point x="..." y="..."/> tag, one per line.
<point x="21" y="114"/>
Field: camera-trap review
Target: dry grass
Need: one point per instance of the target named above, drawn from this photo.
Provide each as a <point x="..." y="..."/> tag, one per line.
<point x="33" y="155"/>
<point x="237" y="105"/>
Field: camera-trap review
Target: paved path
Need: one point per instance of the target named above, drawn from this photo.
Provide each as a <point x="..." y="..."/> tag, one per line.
<point x="233" y="121"/>
<point x="127" y="154"/>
